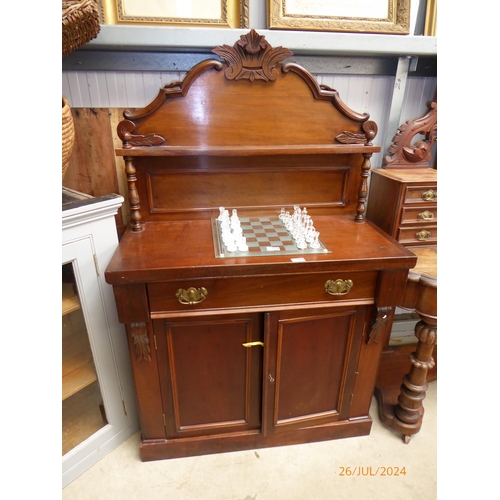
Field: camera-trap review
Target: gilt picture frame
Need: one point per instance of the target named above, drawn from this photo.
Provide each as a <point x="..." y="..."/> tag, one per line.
<point x="351" y="16"/>
<point x="202" y="13"/>
<point x="430" y="27"/>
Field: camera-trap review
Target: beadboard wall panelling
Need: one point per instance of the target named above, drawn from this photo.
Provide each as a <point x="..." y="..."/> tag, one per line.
<point x="418" y="92"/>
<point x="365" y="94"/>
<point x="114" y="89"/>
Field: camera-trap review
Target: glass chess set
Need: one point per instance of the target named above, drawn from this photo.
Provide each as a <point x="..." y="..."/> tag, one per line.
<point x="286" y="233"/>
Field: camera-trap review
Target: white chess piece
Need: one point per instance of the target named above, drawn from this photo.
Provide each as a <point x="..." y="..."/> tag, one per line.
<point x="301" y="243"/>
<point x="242" y="244"/>
<point x="315" y="242"/>
<point x="231" y="245"/>
<point x="221" y="214"/>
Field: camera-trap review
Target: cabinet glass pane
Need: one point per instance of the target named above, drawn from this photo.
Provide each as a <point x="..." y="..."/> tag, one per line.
<point x="82" y="405"/>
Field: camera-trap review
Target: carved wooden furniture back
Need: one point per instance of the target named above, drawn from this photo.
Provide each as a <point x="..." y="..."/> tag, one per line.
<point x="249" y="132"/>
<point x="404" y="151"/>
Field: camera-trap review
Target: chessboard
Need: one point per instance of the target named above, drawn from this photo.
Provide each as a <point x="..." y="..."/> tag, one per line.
<point x="264" y="236"/>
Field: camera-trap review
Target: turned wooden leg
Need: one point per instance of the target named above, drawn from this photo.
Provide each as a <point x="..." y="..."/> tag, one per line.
<point x="401" y="405"/>
<point x="409" y="411"/>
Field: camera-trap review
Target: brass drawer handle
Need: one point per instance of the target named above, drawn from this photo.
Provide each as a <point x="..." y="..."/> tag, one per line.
<point x="430" y="195"/>
<point x="191" y="295"/>
<point x="426" y="215"/>
<point x="423" y="235"/>
<point x="338" y="287"/>
<point x="251" y="344"/>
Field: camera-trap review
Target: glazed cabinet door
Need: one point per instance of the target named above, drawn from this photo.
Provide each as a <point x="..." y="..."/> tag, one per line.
<point x="310" y="366"/>
<point x="210" y="381"/>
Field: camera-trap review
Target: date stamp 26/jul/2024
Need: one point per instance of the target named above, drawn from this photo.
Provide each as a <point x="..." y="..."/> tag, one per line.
<point x="371" y="471"/>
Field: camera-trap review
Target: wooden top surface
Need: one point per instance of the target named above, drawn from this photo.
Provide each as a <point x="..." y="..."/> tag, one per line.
<point x="409" y="174"/>
<point x="185" y="249"/>
<point x="426" y="267"/>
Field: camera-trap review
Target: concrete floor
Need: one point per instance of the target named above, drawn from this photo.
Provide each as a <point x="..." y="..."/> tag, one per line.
<point x="299" y="472"/>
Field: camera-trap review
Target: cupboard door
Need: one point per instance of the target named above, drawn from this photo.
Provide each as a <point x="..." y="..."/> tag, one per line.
<point x="310" y="366"/>
<point x="98" y="405"/>
<point x="211" y="383"/>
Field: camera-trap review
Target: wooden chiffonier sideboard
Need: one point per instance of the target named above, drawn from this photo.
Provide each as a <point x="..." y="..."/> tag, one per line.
<point x="273" y="345"/>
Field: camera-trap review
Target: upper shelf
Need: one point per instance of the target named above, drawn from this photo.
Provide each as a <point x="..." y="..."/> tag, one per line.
<point x="308" y="149"/>
<point x="180" y="39"/>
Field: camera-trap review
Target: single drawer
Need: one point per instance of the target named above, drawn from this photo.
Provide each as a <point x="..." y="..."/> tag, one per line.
<point x="419" y="214"/>
<point x="258" y="292"/>
<point x="421" y="194"/>
<point x="418" y="235"/>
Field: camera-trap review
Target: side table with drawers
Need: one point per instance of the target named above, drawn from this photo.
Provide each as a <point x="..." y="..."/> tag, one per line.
<point x="403" y="202"/>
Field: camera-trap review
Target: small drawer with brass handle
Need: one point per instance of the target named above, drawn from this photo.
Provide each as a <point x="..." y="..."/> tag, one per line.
<point x="421" y="194"/>
<point x="257" y="293"/>
<point x="418" y="214"/>
<point x="422" y="234"/>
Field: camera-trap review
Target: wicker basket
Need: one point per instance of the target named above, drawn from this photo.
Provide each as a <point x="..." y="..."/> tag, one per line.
<point x="80" y="24"/>
<point x="68" y="135"/>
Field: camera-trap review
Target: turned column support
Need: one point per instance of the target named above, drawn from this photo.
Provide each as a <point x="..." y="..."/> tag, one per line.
<point x="133" y="194"/>
<point x="363" y="188"/>
<point x="402" y="385"/>
<point x="409" y="411"/>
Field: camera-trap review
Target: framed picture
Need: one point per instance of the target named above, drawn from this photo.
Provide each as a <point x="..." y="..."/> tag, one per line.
<point x="213" y="13"/>
<point x="430" y="28"/>
<point x="353" y="16"/>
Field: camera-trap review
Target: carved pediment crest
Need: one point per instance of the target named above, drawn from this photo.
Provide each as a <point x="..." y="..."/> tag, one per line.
<point x="252" y="58"/>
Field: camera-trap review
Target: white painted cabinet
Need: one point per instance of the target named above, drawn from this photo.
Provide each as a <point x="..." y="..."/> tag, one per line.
<point x="99" y="409"/>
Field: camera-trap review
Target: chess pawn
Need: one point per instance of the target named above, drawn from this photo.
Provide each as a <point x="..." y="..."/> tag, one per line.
<point x="310" y="234"/>
<point x="242" y="244"/>
<point x="227" y="238"/>
<point x="315" y="242"/>
<point x="231" y="245"/>
<point x="301" y="243"/>
<point x="282" y="214"/>
<point x="237" y="232"/>
<point x="221" y="214"/>
<point x="304" y="215"/>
